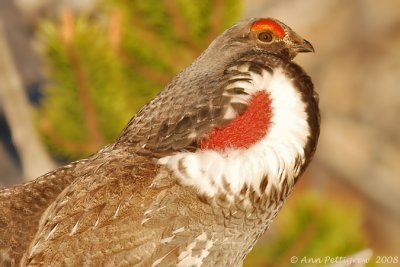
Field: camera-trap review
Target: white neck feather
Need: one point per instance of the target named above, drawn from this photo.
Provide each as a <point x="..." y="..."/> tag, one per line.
<point x="275" y="156"/>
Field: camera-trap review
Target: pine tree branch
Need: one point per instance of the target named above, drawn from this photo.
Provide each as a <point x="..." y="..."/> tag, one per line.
<point x="215" y="20"/>
<point x="144" y="70"/>
<point x="180" y="26"/>
<point x="182" y="55"/>
<point x="177" y="21"/>
<point x="115" y="29"/>
<point x="115" y="36"/>
<point x="83" y="86"/>
<point x="73" y="147"/>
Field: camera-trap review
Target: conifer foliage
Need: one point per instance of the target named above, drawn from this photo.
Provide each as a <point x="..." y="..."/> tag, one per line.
<point x="103" y="67"/>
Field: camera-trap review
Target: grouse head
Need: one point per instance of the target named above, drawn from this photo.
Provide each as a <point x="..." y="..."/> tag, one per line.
<point x="260" y="35"/>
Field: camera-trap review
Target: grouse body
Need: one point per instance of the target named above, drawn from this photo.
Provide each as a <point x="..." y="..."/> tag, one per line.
<point x="194" y="179"/>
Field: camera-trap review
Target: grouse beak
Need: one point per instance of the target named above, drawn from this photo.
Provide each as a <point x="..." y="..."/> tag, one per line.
<point x="304" y="47"/>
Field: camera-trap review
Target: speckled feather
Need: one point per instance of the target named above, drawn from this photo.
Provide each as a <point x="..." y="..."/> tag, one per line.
<point x="111" y="215"/>
<point x="22" y="206"/>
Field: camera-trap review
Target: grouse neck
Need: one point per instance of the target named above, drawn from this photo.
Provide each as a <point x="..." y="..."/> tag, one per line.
<point x="274" y="160"/>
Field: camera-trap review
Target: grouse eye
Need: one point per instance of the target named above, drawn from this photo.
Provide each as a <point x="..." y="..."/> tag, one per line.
<point x="265" y="37"/>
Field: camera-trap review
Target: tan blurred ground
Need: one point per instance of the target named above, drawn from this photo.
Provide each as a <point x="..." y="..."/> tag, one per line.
<point x="356" y="70"/>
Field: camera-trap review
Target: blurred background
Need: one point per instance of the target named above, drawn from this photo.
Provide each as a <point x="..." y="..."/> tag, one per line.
<point x="72" y="73"/>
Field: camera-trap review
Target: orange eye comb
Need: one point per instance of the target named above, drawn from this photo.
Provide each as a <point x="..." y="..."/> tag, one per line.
<point x="268" y="24"/>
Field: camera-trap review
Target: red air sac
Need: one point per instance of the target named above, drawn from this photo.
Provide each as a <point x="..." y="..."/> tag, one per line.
<point x="246" y="129"/>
